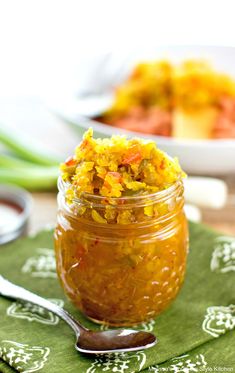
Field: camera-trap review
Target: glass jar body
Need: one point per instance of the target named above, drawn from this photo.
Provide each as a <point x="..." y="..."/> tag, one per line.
<point x="122" y="274"/>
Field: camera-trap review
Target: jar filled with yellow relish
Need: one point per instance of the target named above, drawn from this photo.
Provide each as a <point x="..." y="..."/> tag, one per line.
<point x="121" y="238"/>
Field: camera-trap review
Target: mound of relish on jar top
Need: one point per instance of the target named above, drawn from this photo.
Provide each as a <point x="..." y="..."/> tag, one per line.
<point x="121" y="238"/>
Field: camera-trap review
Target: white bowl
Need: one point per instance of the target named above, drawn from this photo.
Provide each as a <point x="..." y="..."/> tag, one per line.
<point x="208" y="157"/>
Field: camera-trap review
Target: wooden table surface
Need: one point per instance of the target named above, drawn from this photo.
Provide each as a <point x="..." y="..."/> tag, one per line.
<point x="30" y="117"/>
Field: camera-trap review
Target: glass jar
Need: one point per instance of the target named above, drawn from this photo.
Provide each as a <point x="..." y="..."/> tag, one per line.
<point x="127" y="269"/>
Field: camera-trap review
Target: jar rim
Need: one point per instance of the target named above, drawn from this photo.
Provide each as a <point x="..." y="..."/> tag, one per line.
<point x="101" y="203"/>
<point x="158" y="196"/>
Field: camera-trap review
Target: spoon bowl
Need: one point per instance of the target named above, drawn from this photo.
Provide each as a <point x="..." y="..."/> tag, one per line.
<point x="119" y="340"/>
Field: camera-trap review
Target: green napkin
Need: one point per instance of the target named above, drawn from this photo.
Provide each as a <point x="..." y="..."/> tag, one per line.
<point x="195" y="333"/>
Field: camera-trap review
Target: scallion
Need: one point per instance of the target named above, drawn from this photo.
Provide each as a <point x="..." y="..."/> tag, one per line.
<point x="26" y="151"/>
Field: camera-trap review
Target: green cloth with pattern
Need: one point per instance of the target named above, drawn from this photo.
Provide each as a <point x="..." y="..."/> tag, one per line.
<point x="195" y="333"/>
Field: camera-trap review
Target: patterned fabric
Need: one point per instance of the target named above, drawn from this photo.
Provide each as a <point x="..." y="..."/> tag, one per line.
<point x="195" y="334"/>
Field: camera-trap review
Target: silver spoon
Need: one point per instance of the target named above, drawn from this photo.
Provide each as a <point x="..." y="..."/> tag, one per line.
<point x="87" y="341"/>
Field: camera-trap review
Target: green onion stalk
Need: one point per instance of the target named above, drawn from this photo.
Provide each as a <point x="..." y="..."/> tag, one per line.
<point x="22" y="149"/>
<point x="25" y="166"/>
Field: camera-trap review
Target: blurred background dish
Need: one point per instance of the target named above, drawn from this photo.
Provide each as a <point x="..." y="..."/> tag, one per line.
<point x="96" y="94"/>
<point x="15" y="210"/>
<point x="188" y="100"/>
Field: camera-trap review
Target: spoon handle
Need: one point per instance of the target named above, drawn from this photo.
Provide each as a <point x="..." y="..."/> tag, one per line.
<point x="9" y="290"/>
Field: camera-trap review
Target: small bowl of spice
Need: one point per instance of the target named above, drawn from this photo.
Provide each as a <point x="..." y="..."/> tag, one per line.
<point x="15" y="209"/>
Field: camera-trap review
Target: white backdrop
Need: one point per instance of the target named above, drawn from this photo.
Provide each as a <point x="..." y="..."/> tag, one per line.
<point x="41" y="40"/>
